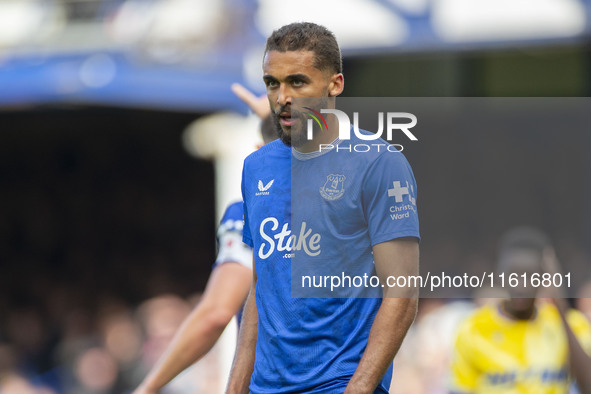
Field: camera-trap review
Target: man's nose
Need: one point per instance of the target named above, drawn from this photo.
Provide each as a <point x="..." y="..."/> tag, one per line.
<point x="284" y="96"/>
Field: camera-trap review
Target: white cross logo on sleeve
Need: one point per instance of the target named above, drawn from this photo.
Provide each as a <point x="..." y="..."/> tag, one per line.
<point x="398" y="191"/>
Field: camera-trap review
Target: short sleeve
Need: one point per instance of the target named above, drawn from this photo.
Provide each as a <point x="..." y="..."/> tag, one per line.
<point x="389" y="197"/>
<point x="246" y="234"/>
<point x="464" y="376"/>
<point x="233" y="250"/>
<point x="229" y="236"/>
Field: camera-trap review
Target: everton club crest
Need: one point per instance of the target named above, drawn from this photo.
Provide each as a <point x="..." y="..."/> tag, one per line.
<point x="334" y="188"/>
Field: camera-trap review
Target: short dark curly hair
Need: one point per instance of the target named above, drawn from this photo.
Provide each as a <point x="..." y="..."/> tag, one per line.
<point x="306" y="36"/>
<point x="524" y="237"/>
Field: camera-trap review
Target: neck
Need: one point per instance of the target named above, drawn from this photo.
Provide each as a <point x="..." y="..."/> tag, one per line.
<point x="526" y="313"/>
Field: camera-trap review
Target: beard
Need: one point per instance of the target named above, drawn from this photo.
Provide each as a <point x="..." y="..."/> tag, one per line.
<point x="285" y="137"/>
<point x="292" y="136"/>
<point x="296" y="135"/>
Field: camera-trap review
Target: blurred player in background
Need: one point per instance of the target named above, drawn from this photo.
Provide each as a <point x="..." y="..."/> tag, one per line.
<point x="226" y="289"/>
<point x="519" y="345"/>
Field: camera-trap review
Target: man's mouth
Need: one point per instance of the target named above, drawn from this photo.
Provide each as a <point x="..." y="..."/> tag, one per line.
<point x="286" y="120"/>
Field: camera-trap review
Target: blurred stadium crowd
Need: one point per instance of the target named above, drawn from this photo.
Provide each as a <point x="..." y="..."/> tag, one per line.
<point x="86" y="245"/>
<point x="78" y="350"/>
<point x="109" y="349"/>
<point x="34" y="23"/>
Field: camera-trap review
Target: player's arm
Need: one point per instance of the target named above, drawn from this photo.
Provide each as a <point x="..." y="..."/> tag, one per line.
<point x="243" y="364"/>
<point x="224" y="295"/>
<point x="394" y="317"/>
<point x="579" y="360"/>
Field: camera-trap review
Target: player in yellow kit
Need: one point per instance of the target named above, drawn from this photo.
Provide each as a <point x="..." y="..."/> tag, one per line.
<point x="518" y="345"/>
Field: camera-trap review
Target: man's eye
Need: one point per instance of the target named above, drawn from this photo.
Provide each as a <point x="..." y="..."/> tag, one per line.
<point x="272" y="84"/>
<point x="298" y="83"/>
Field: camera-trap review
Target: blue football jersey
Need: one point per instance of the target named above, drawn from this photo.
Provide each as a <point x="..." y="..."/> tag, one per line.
<point x="319" y="213"/>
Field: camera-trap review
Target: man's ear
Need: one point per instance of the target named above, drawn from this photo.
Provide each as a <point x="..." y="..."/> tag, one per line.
<point x="336" y="85"/>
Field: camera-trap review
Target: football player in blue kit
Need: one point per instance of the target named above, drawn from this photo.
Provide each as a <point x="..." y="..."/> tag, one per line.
<point x="327" y="208"/>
